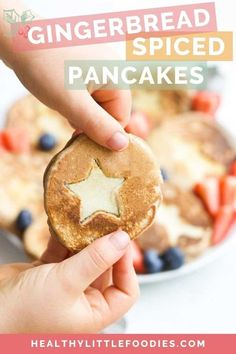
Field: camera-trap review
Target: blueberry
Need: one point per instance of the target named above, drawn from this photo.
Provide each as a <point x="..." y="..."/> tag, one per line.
<point x="47" y="142"/>
<point x="173" y="258"/>
<point x="153" y="263"/>
<point x="164" y="174"/>
<point x="23" y="220"/>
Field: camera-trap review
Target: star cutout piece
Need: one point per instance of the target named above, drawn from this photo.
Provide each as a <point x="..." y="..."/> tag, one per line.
<point x="97" y="193"/>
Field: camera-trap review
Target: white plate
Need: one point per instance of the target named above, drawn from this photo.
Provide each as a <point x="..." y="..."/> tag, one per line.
<point x="207" y="257"/>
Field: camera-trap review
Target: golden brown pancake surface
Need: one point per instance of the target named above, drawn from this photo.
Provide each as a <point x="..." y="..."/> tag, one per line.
<point x="91" y="191"/>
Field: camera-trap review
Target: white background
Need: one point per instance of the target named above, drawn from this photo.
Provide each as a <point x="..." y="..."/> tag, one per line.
<point x="201" y="302"/>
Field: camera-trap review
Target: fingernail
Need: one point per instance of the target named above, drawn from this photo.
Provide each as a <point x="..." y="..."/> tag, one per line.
<point x="118" y="141"/>
<point x="120" y="240"/>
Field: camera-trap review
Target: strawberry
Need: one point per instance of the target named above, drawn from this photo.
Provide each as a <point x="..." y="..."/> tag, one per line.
<point x="209" y="192"/>
<point x="206" y="102"/>
<point x="2" y="147"/>
<point x="224" y="220"/>
<point x="228" y="191"/>
<point x="16" y="140"/>
<point x="137" y="258"/>
<point x="139" y="125"/>
<point x="232" y="168"/>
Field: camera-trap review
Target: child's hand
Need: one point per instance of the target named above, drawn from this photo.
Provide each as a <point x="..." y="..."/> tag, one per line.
<point x="83" y="293"/>
<point x="98" y="112"/>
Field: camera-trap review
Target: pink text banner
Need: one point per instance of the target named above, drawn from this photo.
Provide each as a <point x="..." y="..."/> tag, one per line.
<point x="115" y="343"/>
<point x="113" y="27"/>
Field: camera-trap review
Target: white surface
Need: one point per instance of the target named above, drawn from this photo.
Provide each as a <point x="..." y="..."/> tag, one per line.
<point x="203" y="301"/>
<point x="198" y="298"/>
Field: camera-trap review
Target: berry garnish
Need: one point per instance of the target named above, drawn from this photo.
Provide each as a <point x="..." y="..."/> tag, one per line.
<point x="232" y="168"/>
<point x="209" y="192"/>
<point x="47" y="142"/>
<point x="206" y="102"/>
<point x="24" y="220"/>
<point x="223" y="222"/>
<point x="164" y="174"/>
<point x="16" y="140"/>
<point x="228" y="191"/>
<point x="173" y="258"/>
<point x="153" y="263"/>
<point x="137" y="258"/>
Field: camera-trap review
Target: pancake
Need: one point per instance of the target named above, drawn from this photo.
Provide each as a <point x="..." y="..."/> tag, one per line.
<point x="37" y="119"/>
<point x="191" y="148"/>
<point x="21" y="187"/>
<point x="160" y="105"/>
<point x="36" y="237"/>
<point x="91" y="191"/>
<point x="182" y="221"/>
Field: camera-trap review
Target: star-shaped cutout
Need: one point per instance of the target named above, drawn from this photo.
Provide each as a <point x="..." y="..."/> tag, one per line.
<point x="97" y="193"/>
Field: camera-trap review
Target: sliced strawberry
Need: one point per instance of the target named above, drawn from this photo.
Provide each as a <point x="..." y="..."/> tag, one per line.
<point x="209" y="192"/>
<point x="139" y="125"/>
<point x="137" y="258"/>
<point x="206" y="101"/>
<point x="16" y="140"/>
<point x="228" y="191"/>
<point x="232" y="168"/>
<point x="224" y="220"/>
<point x="2" y="147"/>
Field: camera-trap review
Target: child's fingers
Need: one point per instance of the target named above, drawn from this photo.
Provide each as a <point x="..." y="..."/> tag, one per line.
<point x="85" y="114"/>
<point x="123" y="271"/>
<point x="55" y="252"/>
<point x="8" y="271"/>
<point x="81" y="270"/>
<point x="103" y="281"/>
<point x="125" y="290"/>
<point x="123" y="293"/>
<point x="116" y="102"/>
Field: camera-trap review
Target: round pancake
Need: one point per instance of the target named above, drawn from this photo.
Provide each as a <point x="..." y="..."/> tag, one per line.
<point x="160" y="105"/>
<point x="182" y="221"/>
<point x="91" y="191"/>
<point x="36" y="237"/>
<point x="191" y="148"/>
<point x="21" y="187"/>
<point x="36" y="119"/>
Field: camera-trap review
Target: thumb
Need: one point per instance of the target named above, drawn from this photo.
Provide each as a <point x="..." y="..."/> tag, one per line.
<point x="79" y="271"/>
<point x="90" y="117"/>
